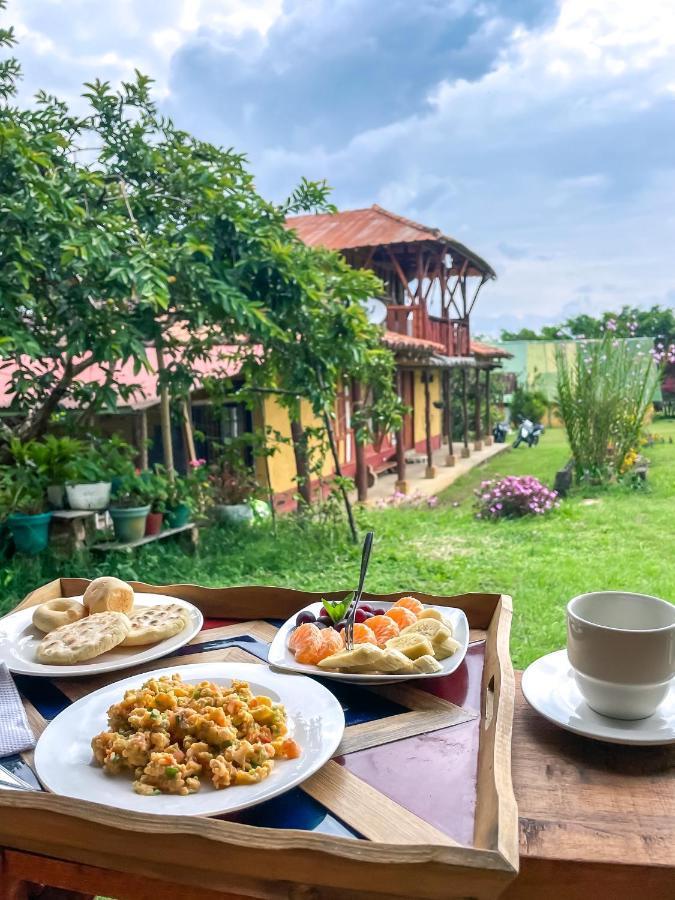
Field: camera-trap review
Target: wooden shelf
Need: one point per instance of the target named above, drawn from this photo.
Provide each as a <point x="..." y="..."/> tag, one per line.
<point x="105" y="546"/>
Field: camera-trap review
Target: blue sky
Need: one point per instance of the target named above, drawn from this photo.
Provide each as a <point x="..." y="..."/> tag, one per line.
<point x="539" y="133"/>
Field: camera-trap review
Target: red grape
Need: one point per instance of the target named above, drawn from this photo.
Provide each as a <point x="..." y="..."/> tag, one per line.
<point x="379" y="612"/>
<point x="362" y="614"/>
<point x="303" y="617"/>
<point x="366" y="607"/>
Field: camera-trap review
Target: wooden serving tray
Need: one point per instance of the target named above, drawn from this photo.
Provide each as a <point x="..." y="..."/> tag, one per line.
<point x="417" y="802"/>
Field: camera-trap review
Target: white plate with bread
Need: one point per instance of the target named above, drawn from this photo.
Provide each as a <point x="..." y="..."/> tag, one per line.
<point x="110" y="627"/>
<point x="430" y="645"/>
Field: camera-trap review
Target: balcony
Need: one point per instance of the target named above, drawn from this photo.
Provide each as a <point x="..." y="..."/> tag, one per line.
<point x="414" y="321"/>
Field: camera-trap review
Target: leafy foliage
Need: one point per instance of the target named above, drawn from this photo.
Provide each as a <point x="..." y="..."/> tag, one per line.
<point x="530" y="405"/>
<point x="603" y="397"/>
<point x="121" y="231"/>
<point x="630" y="321"/>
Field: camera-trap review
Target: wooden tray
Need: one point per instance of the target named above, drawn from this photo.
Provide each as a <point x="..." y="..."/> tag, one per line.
<point x="417" y="802"/>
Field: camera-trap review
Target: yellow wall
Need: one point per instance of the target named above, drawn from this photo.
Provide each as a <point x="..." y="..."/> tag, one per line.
<point x="282" y="461"/>
<point x="434" y="395"/>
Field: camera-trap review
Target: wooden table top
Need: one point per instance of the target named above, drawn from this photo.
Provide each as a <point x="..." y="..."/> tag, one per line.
<point x="591" y="812"/>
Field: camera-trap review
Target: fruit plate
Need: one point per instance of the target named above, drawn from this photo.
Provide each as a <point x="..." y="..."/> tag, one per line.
<point x="19" y="640"/>
<point x="282" y="658"/>
<point x="63" y="758"/>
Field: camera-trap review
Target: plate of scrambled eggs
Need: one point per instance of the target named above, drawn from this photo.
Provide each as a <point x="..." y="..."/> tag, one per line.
<point x="203" y="739"/>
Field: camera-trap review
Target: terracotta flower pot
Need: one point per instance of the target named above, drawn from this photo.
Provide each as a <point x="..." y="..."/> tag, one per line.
<point x="153" y="524"/>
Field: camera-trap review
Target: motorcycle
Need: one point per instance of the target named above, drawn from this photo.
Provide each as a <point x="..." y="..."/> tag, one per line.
<point x="499" y="432"/>
<point x="528" y="433"/>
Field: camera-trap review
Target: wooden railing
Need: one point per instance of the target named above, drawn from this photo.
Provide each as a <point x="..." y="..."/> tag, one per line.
<point x="414" y="321"/>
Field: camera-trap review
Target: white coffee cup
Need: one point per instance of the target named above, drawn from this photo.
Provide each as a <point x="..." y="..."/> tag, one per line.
<point x="622" y="649"/>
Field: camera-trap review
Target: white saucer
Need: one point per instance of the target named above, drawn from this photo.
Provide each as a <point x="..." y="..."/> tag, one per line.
<point x="549" y="687"/>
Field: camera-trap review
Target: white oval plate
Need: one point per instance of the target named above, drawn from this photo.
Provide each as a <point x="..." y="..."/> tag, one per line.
<point x="19" y="640"/>
<point x="550" y="688"/>
<point x="282" y="658"/>
<point x="63" y="757"/>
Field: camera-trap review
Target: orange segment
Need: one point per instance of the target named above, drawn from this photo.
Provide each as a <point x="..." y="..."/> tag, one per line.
<point x="411" y="603"/>
<point x="331" y="642"/>
<point x="310" y="651"/>
<point x="301" y="635"/>
<point x="402" y="616"/>
<point x="384" y="628"/>
<point x="363" y="634"/>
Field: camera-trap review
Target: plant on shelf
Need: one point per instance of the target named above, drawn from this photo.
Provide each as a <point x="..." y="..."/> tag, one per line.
<point x="23" y="503"/>
<point x="87" y="484"/>
<point x="115" y="456"/>
<point x="157" y="486"/>
<point x="129" y="508"/>
<point x="54" y="458"/>
<point x="233" y="486"/>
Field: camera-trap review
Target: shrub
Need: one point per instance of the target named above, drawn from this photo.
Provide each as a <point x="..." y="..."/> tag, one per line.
<point x="604" y="393"/>
<point x="530" y="405"/>
<point x="524" y="495"/>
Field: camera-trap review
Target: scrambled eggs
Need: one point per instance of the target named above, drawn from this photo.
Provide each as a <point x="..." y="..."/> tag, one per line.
<point x="171" y="735"/>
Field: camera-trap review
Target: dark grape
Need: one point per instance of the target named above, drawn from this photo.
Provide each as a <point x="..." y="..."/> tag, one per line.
<point x="362" y="614"/>
<point x="379" y="611"/>
<point x="339" y="626"/>
<point x="324" y="620"/>
<point x="303" y="617"/>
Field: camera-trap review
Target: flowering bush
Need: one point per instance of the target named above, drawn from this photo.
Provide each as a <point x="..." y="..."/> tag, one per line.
<point x="514" y="496"/>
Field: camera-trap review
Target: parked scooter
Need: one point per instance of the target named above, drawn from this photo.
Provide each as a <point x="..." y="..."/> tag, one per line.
<point x="528" y="433"/>
<point x="499" y="432"/>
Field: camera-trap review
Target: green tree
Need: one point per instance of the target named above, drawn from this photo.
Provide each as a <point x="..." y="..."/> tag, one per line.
<point x="120" y="231"/>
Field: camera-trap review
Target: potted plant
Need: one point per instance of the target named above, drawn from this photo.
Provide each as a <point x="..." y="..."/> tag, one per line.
<point x="23" y="500"/>
<point x="54" y="457"/>
<point x="129" y="509"/>
<point x="157" y="492"/>
<point x="88" y="486"/>
<point x="233" y="487"/>
<point x="115" y="457"/>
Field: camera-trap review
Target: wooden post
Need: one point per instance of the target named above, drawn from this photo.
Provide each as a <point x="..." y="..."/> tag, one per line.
<point x="299" y="439"/>
<point x="188" y="433"/>
<point x="466" y="452"/>
<point x="450" y="458"/>
<point x="488" y="411"/>
<point x="478" y="443"/>
<point x="430" y="470"/>
<point x="401" y="483"/>
<point x="359" y="448"/>
<point x="165" y="413"/>
<point x="142" y="438"/>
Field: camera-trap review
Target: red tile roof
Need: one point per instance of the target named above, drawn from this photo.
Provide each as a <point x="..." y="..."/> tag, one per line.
<point x="396" y="341"/>
<point x="478" y="348"/>
<point x="225" y="362"/>
<point x="374" y="227"/>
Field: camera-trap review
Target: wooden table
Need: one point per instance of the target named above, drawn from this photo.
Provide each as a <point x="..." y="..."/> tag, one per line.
<point x="596" y="821"/>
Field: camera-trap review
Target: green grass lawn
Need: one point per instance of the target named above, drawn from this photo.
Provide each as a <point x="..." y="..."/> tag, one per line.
<point x="602" y="539"/>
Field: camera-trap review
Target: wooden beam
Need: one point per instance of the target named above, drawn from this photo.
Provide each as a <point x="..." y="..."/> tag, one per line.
<point x="475" y="296"/>
<point x="430" y="472"/>
<point x="165" y="412"/>
<point x="188" y="433"/>
<point x="465" y="414"/>
<point x="488" y="413"/>
<point x="449" y="423"/>
<point x="359" y="448"/>
<point x="401" y="483"/>
<point x="401" y="275"/>
<point x="478" y="444"/>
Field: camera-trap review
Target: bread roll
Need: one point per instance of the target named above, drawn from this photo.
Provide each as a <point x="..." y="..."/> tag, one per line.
<point x="108" y="594"/>
<point x="55" y="613"/>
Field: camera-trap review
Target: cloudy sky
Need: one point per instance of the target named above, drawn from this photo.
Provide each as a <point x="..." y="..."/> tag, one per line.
<point x="538" y="133"/>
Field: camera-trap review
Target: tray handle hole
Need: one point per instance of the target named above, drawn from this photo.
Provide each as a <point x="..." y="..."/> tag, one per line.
<point x="489" y="703"/>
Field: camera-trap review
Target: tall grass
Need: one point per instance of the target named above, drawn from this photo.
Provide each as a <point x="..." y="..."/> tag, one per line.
<point x="603" y="396"/>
